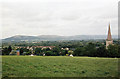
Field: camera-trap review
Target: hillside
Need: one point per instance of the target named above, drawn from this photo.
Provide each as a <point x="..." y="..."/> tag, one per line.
<point x="55" y="37"/>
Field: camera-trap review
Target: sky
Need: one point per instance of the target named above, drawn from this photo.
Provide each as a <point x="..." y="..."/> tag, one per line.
<point x="58" y="17"/>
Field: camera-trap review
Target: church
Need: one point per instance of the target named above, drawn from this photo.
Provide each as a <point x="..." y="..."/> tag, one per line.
<point x="109" y="38"/>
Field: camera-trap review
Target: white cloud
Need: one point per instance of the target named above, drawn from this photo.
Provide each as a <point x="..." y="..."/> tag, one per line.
<point x="58" y="17"/>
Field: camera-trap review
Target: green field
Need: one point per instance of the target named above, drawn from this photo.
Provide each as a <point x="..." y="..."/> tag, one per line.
<point x="58" y="66"/>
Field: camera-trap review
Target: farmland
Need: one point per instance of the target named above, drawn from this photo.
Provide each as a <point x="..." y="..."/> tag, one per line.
<point x="58" y="66"/>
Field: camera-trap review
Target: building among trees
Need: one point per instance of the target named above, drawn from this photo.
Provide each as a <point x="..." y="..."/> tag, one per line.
<point x="109" y="38"/>
<point x="18" y="52"/>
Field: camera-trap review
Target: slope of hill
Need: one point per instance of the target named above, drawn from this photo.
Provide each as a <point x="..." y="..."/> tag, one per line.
<point x="56" y="38"/>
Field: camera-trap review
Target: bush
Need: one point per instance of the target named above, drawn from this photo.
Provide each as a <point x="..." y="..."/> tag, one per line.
<point x="49" y="53"/>
<point x="66" y="54"/>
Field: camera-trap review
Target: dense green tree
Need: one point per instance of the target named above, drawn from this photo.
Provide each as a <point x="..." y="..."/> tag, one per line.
<point x="9" y="49"/>
<point x="101" y="52"/>
<point x="80" y="48"/>
<point x="49" y="53"/>
<point x="56" y="51"/>
<point x="63" y="52"/>
<point x="79" y="51"/>
<point x="90" y="49"/>
<point x="118" y="51"/>
<point x="113" y="51"/>
<point x="27" y="53"/>
<point x="47" y="49"/>
<point x="38" y="51"/>
<point x="23" y="50"/>
<point x="5" y="51"/>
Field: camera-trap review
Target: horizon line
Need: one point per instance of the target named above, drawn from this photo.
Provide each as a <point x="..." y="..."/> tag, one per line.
<point x="54" y="35"/>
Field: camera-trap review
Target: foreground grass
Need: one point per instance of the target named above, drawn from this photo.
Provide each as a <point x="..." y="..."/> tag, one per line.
<point x="58" y="66"/>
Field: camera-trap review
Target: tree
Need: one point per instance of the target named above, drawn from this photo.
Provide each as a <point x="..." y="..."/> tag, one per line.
<point x="5" y="51"/>
<point x="63" y="52"/>
<point x="38" y="51"/>
<point x="48" y="53"/>
<point x="90" y="49"/>
<point x="9" y="49"/>
<point x="56" y="51"/>
<point x="101" y="52"/>
<point x="47" y="49"/>
<point x="21" y="51"/>
<point x="27" y="53"/>
<point x="118" y="51"/>
<point x="113" y="51"/>
<point x="79" y="51"/>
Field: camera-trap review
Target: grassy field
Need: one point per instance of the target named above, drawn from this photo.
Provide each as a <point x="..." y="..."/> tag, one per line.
<point x="58" y="66"/>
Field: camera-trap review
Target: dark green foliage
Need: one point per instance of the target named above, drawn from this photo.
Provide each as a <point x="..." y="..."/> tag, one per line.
<point x="23" y="50"/>
<point x="47" y="49"/>
<point x="5" y="51"/>
<point x="27" y="53"/>
<point x="63" y="52"/>
<point x="88" y="50"/>
<point x="9" y="49"/>
<point x="113" y="51"/>
<point x="101" y="52"/>
<point x="49" y="53"/>
<point x="91" y="48"/>
<point x="79" y="51"/>
<point x="38" y="51"/>
<point x="56" y="51"/>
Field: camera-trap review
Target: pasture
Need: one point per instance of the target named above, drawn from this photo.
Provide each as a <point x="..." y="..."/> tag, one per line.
<point x="58" y="66"/>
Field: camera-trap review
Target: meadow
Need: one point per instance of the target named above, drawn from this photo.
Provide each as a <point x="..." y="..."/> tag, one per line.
<point x="58" y="66"/>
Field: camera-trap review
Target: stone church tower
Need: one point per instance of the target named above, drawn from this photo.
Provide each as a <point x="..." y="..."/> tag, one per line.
<point x="109" y="38"/>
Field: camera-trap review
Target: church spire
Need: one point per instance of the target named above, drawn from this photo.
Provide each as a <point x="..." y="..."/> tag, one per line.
<point x="109" y="37"/>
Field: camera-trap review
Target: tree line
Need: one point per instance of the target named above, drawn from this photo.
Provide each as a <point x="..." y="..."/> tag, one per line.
<point x="90" y="49"/>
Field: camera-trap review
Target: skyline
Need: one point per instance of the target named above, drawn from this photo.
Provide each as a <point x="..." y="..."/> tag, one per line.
<point x="115" y="36"/>
<point x="61" y="17"/>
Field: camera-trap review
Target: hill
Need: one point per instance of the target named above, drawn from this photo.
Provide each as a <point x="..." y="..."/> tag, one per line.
<point x="18" y="38"/>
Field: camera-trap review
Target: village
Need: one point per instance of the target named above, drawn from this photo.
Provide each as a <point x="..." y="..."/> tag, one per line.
<point x="16" y="50"/>
<point x="69" y="48"/>
<point x="74" y="39"/>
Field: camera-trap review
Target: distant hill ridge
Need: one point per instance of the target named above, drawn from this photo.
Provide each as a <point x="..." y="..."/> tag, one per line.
<point x="56" y="37"/>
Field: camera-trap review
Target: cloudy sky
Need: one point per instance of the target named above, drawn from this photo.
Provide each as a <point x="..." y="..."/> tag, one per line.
<point x="58" y="17"/>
